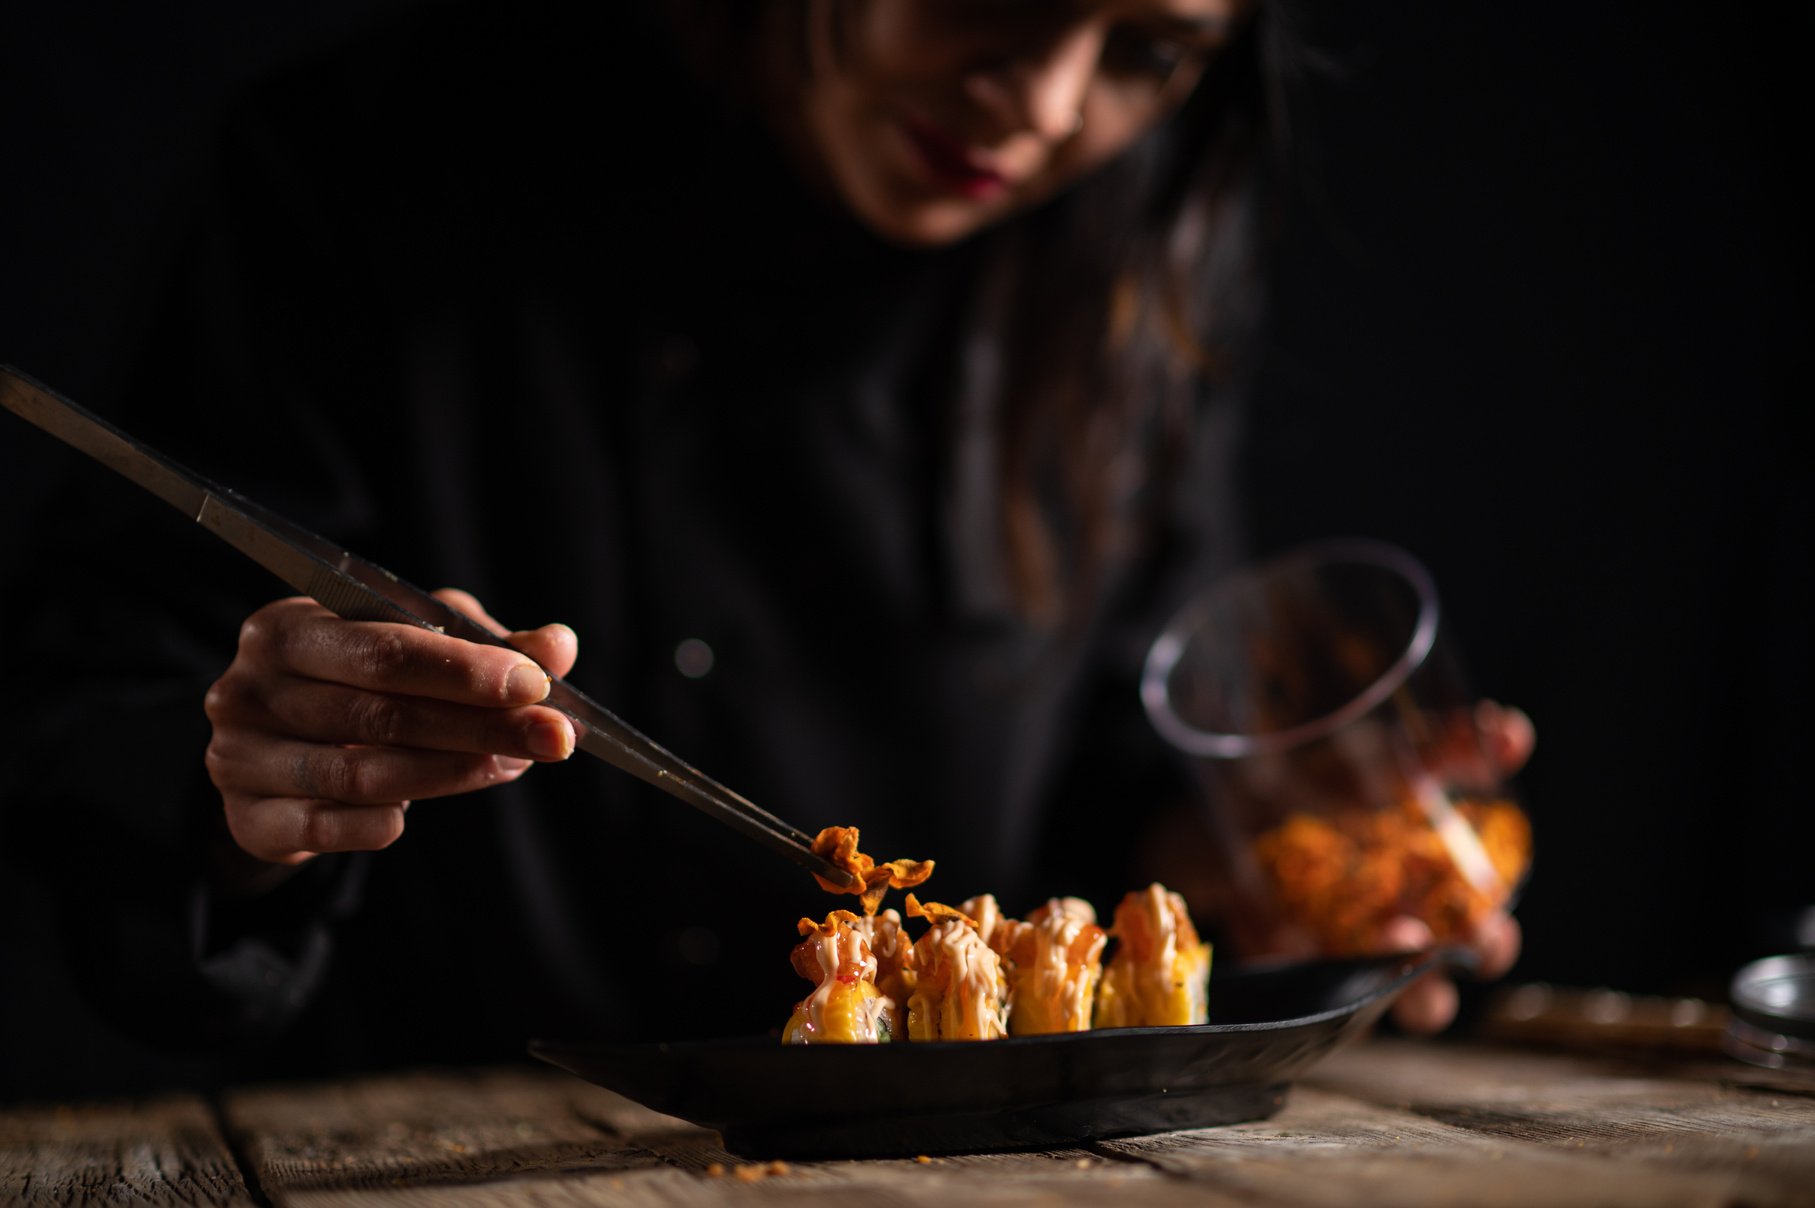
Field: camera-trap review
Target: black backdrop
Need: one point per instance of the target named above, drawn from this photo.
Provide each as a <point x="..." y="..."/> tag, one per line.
<point x="1543" y="327"/>
<point x="1541" y="318"/>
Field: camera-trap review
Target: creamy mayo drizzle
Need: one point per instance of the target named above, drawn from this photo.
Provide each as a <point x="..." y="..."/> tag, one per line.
<point x="974" y="1002"/>
<point x="1067" y="963"/>
<point x="845" y="961"/>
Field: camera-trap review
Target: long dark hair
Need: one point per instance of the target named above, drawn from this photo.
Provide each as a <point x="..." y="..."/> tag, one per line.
<point x="1104" y="313"/>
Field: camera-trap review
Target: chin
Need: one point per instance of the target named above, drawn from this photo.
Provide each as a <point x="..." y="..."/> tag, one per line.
<point x="928" y="235"/>
<point x="927" y="225"/>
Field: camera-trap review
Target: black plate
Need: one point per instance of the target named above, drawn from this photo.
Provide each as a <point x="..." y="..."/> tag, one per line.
<point x="769" y="1100"/>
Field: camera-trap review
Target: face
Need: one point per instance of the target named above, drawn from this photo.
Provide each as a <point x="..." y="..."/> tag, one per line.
<point x="931" y="119"/>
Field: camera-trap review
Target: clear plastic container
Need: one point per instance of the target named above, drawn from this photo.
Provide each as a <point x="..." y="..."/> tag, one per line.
<point x="1341" y="745"/>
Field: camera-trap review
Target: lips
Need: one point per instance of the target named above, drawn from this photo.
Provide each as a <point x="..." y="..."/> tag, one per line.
<point x="949" y="164"/>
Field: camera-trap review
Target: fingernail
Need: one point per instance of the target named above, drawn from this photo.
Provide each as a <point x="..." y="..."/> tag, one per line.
<point x="551" y="740"/>
<point x="1405" y="935"/>
<point x="512" y="767"/>
<point x="526" y="683"/>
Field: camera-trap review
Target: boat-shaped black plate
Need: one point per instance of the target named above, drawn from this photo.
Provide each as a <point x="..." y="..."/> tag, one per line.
<point x="1268" y="1024"/>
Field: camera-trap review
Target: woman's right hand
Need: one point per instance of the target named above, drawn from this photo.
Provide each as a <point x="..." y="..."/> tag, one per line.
<point x="326" y="729"/>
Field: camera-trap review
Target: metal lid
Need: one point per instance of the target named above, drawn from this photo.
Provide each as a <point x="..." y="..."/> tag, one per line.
<point x="1774" y="1011"/>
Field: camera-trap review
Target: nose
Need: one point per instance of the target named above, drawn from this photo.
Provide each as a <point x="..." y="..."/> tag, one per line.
<point x="1041" y="88"/>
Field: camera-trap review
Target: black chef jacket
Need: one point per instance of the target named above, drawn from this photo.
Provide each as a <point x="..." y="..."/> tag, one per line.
<point x="509" y="305"/>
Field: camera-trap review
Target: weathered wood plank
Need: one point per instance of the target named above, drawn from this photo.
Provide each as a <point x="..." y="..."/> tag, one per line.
<point x="1065" y="1175"/>
<point x="874" y="1185"/>
<point x="1388" y="1123"/>
<point x="509" y="1138"/>
<point x="165" y="1151"/>
<point x="1051" y="1176"/>
<point x="440" y="1128"/>
<point x="1762" y="1141"/>
<point x="1414" y="1179"/>
<point x="565" y="1191"/>
<point x="1330" y="1149"/>
<point x="1759" y="1143"/>
<point x="1464" y="1073"/>
<point x="1460" y="1074"/>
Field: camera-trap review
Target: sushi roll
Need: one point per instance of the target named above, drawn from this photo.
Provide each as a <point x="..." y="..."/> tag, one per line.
<point x="845" y="1006"/>
<point x="960" y="990"/>
<point x="894" y="953"/>
<point x="1160" y="971"/>
<point x="1055" y="959"/>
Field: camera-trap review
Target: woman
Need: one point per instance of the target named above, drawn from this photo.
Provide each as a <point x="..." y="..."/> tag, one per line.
<point x="857" y="377"/>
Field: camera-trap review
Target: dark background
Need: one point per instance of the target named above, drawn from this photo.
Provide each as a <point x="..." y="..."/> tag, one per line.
<point x="1541" y="317"/>
<point x="1543" y="326"/>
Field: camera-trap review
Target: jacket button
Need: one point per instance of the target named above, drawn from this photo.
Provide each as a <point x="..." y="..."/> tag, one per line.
<point x="693" y="658"/>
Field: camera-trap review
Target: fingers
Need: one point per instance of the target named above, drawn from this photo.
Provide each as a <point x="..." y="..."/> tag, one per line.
<point x="1430" y="1003"/>
<point x="291" y="830"/>
<point x="1507" y="733"/>
<point x="263" y="766"/>
<point x="466" y="602"/>
<point x="331" y="713"/>
<point x="325" y="729"/>
<point x="1405" y="934"/>
<point x="556" y="647"/>
<point x="300" y="638"/>
<point x="1496" y="941"/>
<point x="1427" y="1005"/>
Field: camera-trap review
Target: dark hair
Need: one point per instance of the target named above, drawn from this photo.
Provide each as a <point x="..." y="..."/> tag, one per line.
<point x="1104" y="312"/>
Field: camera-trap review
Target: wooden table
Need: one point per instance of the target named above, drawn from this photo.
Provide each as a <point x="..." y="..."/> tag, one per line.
<point x="1387" y="1122"/>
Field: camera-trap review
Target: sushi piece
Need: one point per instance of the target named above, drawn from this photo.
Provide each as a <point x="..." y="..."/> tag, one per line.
<point x="845" y="1006"/>
<point x="994" y="926"/>
<point x="894" y="952"/>
<point x="1055" y="960"/>
<point x="960" y="990"/>
<point x="1160" y="971"/>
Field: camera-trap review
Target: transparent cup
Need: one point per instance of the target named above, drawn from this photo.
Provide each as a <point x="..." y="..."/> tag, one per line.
<point x="1340" y="746"/>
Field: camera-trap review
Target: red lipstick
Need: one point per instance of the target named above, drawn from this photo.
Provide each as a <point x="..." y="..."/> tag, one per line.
<point x="950" y="164"/>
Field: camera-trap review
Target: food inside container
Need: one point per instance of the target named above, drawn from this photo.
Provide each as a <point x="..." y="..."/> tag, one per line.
<point x="1341" y="877"/>
<point x="1349" y="765"/>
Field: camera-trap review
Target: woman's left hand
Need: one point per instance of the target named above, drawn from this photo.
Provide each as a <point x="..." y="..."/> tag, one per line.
<point x="1429" y="1004"/>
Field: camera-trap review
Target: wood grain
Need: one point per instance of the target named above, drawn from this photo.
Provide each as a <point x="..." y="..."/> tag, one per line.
<point x="425" y="1128"/>
<point x="1387" y="1123"/>
<point x="1637" y="1117"/>
<point x="166" y="1151"/>
<point x="531" y="1137"/>
<point x="1331" y="1149"/>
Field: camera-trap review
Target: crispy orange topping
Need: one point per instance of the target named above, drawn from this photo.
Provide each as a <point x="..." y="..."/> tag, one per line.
<point x="833" y="921"/>
<point x="837" y="845"/>
<point x="1342" y="876"/>
<point x="938" y="912"/>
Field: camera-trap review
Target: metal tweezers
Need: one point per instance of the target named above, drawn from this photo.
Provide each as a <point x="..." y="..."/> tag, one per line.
<point x="359" y="590"/>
